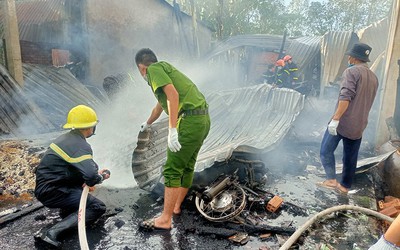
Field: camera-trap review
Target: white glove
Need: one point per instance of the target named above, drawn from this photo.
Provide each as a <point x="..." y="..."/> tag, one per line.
<point x="173" y="142"/>
<point x="144" y="126"/>
<point x="332" y="126"/>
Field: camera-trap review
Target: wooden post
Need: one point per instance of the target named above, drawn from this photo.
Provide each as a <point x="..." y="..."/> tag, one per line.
<point x="195" y="34"/>
<point x="389" y="84"/>
<point x="13" y="47"/>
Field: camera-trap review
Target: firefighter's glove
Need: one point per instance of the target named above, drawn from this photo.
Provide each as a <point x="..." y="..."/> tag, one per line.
<point x="144" y="126"/>
<point x="332" y="126"/>
<point x="173" y="142"/>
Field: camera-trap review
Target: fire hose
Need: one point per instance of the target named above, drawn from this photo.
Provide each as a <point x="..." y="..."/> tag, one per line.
<point x="81" y="216"/>
<point x="325" y="212"/>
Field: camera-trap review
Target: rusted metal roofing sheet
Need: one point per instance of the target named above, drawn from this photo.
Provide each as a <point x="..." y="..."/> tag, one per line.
<point x="268" y="42"/>
<point x="248" y="120"/>
<point x="42" y="20"/>
<point x="39" y="11"/>
<point x="333" y="60"/>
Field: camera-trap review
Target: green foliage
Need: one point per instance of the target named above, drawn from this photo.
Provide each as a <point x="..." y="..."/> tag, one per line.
<point x="299" y="17"/>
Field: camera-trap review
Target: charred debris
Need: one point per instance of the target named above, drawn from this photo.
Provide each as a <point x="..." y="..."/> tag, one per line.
<point x="237" y="205"/>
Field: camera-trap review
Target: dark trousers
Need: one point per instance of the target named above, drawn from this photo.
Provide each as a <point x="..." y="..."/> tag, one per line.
<point x="350" y="155"/>
<point x="69" y="200"/>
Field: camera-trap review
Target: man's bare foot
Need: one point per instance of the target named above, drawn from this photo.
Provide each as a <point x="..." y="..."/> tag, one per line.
<point x="177" y="211"/>
<point x="152" y="225"/>
<point x="159" y="223"/>
<point x="342" y="189"/>
<point x="331" y="184"/>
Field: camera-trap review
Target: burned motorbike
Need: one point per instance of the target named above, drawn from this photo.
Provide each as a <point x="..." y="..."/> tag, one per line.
<point x="223" y="201"/>
<point x="227" y="197"/>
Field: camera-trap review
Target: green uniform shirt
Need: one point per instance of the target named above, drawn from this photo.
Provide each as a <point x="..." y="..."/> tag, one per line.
<point x="162" y="73"/>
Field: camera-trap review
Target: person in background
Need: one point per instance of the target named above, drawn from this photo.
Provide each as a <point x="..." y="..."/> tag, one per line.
<point x="269" y="75"/>
<point x="391" y="239"/>
<point x="189" y="124"/>
<point x="65" y="168"/>
<point x="357" y="93"/>
<point x="282" y="75"/>
<point x="292" y="68"/>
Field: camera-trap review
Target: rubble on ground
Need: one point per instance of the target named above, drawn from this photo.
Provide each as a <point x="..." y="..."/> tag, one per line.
<point x="18" y="162"/>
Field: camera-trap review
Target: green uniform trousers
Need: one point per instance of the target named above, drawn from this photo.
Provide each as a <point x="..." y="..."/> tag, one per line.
<point x="178" y="170"/>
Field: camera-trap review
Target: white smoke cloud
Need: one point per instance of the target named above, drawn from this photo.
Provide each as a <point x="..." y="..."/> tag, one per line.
<point x="117" y="131"/>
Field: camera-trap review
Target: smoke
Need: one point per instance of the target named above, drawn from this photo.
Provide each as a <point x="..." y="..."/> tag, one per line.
<point x="120" y="120"/>
<point x="117" y="131"/>
<point x="301" y="147"/>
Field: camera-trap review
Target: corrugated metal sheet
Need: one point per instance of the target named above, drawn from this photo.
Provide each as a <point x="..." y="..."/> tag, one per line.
<point x="40" y="11"/>
<point x="333" y="59"/>
<point x="54" y="21"/>
<point x="15" y="107"/>
<point x="335" y="44"/>
<point x="42" y="105"/>
<point x="267" y="42"/>
<point x="42" y="20"/>
<point x="304" y="50"/>
<point x="55" y="91"/>
<point x="374" y="35"/>
<point x="247" y="120"/>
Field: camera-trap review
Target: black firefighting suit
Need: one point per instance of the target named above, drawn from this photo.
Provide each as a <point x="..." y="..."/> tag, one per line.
<point x="283" y="78"/>
<point x="293" y="70"/>
<point x="269" y="77"/>
<point x="62" y="171"/>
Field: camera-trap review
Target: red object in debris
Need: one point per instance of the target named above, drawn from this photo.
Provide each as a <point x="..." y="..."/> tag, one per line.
<point x="391" y="211"/>
<point x="389" y="203"/>
<point x="274" y="204"/>
<point x="390" y="198"/>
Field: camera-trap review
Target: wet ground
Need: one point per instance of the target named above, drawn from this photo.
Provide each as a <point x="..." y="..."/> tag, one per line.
<point x="293" y="178"/>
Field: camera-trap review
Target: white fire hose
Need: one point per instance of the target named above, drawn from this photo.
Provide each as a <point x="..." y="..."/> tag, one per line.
<point x="81" y="219"/>
<point x="325" y="212"/>
<point x="82" y="216"/>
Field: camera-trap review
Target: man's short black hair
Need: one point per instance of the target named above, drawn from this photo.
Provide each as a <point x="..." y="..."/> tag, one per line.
<point x="145" y="56"/>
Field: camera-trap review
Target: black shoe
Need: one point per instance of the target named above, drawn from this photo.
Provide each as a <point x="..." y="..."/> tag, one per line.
<point x="50" y="235"/>
<point x="44" y="236"/>
<point x="51" y="240"/>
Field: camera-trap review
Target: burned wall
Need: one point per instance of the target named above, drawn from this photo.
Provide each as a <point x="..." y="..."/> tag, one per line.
<point x="36" y="53"/>
<point x="117" y="29"/>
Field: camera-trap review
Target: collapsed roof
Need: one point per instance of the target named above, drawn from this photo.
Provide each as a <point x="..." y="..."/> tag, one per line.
<point x="327" y="51"/>
<point x="251" y="120"/>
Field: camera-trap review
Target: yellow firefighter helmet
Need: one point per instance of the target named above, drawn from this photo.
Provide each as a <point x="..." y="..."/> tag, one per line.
<point x="81" y="116"/>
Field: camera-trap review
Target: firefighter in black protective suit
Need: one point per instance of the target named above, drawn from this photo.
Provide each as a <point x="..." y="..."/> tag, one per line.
<point x="66" y="167"/>
<point x="293" y="69"/>
<point x="282" y="75"/>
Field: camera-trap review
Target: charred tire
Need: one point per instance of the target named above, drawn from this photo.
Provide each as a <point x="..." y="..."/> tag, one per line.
<point x="226" y="205"/>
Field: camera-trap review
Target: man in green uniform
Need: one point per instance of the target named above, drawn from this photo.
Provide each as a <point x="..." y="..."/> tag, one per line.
<point x="189" y="124"/>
